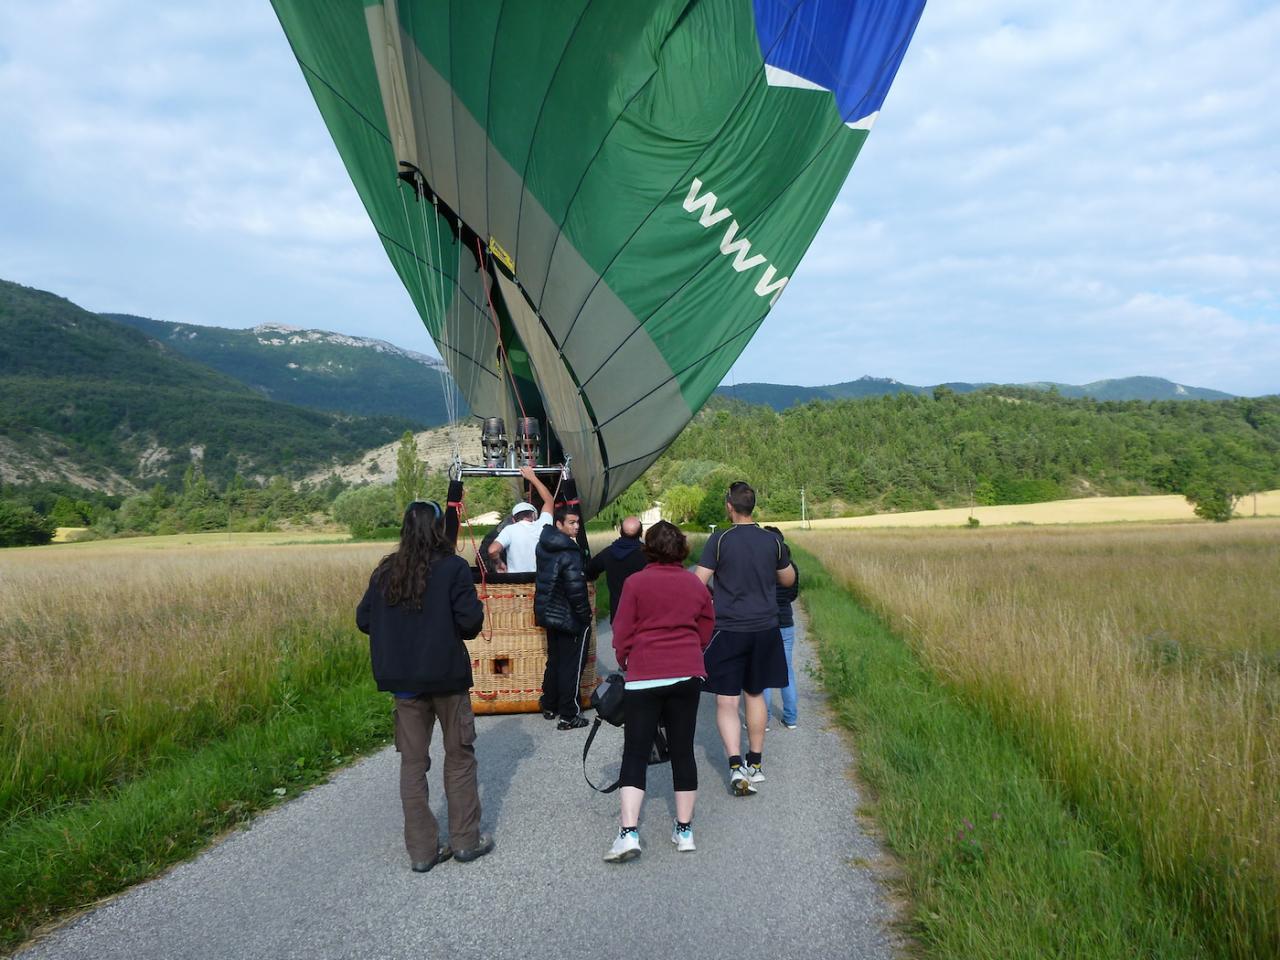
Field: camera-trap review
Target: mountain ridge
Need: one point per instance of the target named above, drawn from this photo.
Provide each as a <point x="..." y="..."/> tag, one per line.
<point x="316" y="369"/>
<point x="90" y="402"/>
<point x="782" y="396"/>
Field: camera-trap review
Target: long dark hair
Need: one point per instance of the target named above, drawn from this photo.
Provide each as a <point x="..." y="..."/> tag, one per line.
<point x="402" y="576"/>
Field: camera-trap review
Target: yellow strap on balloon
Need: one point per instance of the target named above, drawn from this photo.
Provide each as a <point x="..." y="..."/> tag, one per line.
<point x="496" y="249"/>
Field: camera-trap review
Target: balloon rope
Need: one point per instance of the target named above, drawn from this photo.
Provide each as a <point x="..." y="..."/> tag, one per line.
<point x="481" y="564"/>
<point x="502" y="349"/>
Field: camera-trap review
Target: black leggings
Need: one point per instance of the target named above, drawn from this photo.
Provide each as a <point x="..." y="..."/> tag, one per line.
<point x="676" y="705"/>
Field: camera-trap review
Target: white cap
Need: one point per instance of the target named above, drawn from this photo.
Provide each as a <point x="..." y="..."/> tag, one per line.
<point x="521" y="507"/>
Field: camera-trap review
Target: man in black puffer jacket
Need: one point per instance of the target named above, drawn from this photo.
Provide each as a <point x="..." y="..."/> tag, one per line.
<point x="560" y="604"/>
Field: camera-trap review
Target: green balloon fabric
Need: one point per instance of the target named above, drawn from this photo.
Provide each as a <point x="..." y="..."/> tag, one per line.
<point x="614" y="191"/>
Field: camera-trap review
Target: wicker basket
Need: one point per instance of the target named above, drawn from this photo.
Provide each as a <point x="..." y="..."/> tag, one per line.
<point x="510" y="655"/>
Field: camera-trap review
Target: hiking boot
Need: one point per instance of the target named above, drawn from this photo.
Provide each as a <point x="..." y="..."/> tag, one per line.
<point x="683" y="839"/>
<point x="740" y="782"/>
<point x="572" y="723"/>
<point x="625" y="847"/>
<point x="485" y="845"/>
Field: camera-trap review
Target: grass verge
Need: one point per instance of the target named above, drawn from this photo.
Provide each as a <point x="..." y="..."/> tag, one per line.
<point x="995" y="862"/>
<point x="66" y="857"/>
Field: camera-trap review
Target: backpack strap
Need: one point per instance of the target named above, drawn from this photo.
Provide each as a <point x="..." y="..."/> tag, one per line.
<point x="595" y="728"/>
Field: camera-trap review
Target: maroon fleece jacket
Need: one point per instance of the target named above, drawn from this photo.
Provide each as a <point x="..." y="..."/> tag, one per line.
<point x="664" y="623"/>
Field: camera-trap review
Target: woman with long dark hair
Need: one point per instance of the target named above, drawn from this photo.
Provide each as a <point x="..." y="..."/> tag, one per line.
<point x="663" y="625"/>
<point x="419" y="609"/>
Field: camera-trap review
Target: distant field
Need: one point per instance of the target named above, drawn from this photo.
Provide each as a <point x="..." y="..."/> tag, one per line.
<point x="214" y="540"/>
<point x="1139" y="665"/>
<point x="1084" y="510"/>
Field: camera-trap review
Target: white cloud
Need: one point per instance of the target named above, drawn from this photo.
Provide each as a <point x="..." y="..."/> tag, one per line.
<point x="1052" y="191"/>
<point x="1038" y="173"/>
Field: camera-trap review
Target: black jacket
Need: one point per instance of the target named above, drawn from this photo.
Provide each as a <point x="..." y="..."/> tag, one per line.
<point x="422" y="651"/>
<point x="617" y="561"/>
<point x="560" y="592"/>
<point x="786" y="597"/>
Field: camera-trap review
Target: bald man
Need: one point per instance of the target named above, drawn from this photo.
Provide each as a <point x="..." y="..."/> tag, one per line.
<point x="619" y="560"/>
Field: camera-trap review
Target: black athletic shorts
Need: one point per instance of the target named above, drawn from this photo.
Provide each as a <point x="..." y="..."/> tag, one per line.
<point x="748" y="661"/>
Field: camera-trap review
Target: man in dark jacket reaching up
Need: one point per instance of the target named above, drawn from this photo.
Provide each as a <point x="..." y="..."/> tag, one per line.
<point x="618" y="561"/>
<point x="561" y="605"/>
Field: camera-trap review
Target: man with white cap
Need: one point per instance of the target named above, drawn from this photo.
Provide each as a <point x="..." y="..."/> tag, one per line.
<point x="520" y="537"/>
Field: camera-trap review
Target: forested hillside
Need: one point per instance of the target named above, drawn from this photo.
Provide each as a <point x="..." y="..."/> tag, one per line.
<point x="90" y="402"/>
<point x="313" y="368"/>
<point x="1001" y="445"/>
<point x="781" y="396"/>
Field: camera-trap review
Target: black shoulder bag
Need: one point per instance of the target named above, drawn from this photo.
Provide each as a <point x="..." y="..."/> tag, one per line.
<point x="606" y="698"/>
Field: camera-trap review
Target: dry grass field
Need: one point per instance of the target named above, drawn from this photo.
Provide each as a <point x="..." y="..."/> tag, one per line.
<point x="1139" y="664"/>
<point x="116" y="651"/>
<point x="1085" y="510"/>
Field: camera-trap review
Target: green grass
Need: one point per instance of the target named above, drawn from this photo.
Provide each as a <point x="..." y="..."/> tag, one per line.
<point x="66" y="857"/>
<point x="995" y="862"/>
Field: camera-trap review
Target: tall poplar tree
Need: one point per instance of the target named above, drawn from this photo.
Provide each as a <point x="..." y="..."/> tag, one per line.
<point x="411" y="473"/>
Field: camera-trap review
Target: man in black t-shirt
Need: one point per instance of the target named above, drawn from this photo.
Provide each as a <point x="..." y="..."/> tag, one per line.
<point x="744" y="565"/>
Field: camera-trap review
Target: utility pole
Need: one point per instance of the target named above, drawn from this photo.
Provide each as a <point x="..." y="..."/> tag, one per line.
<point x="804" y="514"/>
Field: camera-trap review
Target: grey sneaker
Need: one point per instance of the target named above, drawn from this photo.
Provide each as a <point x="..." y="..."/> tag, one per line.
<point x="443" y="852"/>
<point x="683" y="839"/>
<point x="625" y="847"/>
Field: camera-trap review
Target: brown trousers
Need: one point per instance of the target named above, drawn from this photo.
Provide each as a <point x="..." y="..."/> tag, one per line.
<point x="415" y="719"/>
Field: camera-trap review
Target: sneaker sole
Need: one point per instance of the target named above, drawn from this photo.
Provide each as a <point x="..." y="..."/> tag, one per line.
<point x="679" y="849"/>
<point x="742" y="788"/>
<point x="622" y="857"/>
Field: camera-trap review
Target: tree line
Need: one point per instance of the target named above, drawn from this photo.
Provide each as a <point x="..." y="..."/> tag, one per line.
<point x="850" y="457"/>
<point x="999" y="445"/>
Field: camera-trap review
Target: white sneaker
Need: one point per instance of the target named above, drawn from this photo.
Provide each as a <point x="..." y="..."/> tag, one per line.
<point x="754" y="772"/>
<point x="740" y="782"/>
<point x="625" y="847"/>
<point x="683" y="839"/>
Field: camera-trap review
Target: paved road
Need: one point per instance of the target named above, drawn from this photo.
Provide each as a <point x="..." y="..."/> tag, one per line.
<point x="326" y="876"/>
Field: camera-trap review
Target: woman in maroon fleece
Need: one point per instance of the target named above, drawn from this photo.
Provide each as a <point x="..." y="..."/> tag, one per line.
<point x="662" y="626"/>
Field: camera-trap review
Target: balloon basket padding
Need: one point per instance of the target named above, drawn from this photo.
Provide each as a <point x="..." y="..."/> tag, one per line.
<point x="509" y="656"/>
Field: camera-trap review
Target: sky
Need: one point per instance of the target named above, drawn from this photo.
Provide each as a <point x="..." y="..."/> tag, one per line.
<point x="1069" y="191"/>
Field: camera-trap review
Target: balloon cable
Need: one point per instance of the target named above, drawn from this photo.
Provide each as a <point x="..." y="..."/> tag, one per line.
<point x="481" y="564"/>
<point x="432" y="303"/>
<point x="447" y="384"/>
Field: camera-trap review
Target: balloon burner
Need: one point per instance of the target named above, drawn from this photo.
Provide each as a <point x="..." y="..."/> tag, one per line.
<point x="493" y="442"/>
